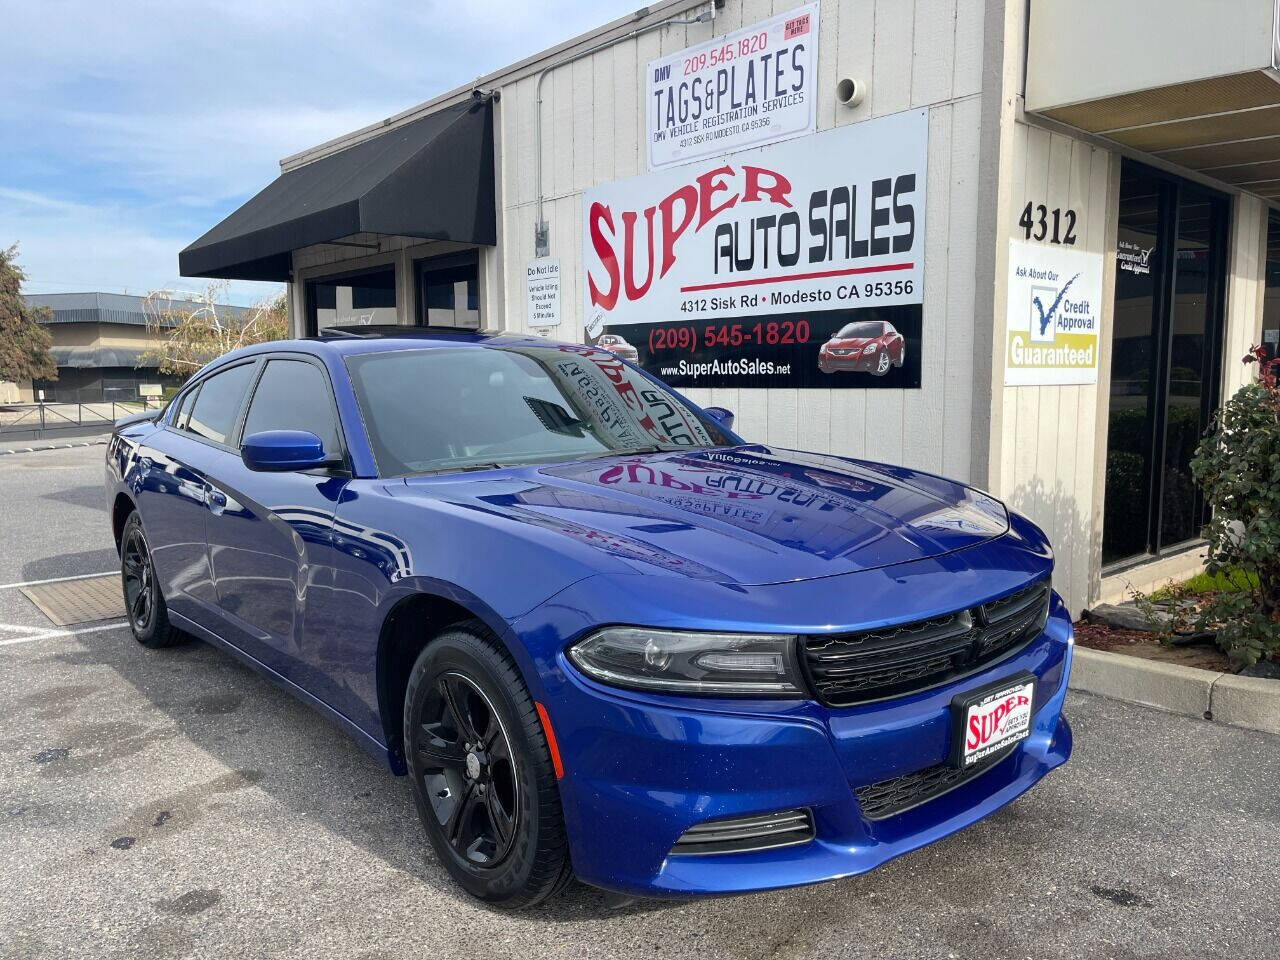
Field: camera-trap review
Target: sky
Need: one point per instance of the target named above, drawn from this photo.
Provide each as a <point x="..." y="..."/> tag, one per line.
<point x="128" y="129"/>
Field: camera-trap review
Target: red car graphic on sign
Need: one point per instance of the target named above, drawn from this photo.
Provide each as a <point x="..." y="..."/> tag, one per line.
<point x="618" y="347"/>
<point x="867" y="346"/>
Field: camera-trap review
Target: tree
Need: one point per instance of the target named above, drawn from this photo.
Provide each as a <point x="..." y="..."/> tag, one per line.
<point x="195" y="335"/>
<point x="24" y="344"/>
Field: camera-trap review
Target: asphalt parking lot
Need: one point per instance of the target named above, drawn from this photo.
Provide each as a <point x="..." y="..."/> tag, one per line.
<point x="173" y="804"/>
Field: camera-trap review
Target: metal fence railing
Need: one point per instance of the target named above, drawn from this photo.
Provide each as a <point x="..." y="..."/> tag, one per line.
<point x="39" y="419"/>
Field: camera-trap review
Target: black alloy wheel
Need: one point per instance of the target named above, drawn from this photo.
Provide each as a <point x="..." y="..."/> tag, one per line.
<point x="143" y="601"/>
<point x="139" y="580"/>
<point x="481" y="771"/>
<point x="464" y="757"/>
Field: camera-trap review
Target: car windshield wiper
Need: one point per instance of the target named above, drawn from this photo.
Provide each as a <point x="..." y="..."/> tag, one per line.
<point x="463" y="468"/>
<point x="650" y="448"/>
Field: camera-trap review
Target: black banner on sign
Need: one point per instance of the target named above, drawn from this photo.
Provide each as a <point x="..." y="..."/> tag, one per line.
<point x="877" y="347"/>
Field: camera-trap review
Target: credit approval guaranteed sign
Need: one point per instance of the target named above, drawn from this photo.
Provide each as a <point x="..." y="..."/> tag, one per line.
<point x="743" y="90"/>
<point x="808" y="235"/>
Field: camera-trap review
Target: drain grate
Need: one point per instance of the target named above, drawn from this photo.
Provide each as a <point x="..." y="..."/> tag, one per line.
<point x="78" y="601"/>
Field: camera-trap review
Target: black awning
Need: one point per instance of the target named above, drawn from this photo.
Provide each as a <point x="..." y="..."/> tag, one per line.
<point x="432" y="178"/>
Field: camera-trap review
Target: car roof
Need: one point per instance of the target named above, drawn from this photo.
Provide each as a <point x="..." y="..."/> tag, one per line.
<point x="354" y="340"/>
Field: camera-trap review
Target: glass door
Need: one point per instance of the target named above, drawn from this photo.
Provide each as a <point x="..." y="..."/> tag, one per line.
<point x="1166" y="358"/>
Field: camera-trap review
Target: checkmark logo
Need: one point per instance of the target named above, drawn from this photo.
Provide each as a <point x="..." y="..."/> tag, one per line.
<point x="1044" y="317"/>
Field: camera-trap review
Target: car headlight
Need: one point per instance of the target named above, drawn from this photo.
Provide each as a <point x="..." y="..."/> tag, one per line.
<point x="675" y="661"/>
<point x="869" y="348"/>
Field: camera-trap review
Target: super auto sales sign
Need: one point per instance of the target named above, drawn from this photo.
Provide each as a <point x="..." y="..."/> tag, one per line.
<point x="798" y="264"/>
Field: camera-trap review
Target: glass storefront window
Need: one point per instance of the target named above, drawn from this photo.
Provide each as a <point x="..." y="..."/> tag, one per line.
<point x="362" y="298"/>
<point x="1271" y="300"/>
<point x="449" y="291"/>
<point x="1166" y="348"/>
<point x="1133" y="360"/>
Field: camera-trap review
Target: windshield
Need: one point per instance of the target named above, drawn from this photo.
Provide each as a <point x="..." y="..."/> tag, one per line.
<point x="430" y="411"/>
<point x="863" y="330"/>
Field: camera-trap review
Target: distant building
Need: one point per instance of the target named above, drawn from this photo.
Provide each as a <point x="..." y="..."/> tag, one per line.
<point x="98" y="341"/>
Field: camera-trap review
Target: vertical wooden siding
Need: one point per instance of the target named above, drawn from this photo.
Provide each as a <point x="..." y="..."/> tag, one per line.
<point x="1246" y="287"/>
<point x="1047" y="468"/>
<point x="913" y="54"/>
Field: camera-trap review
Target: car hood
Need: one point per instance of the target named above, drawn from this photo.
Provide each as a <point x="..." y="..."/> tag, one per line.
<point x="854" y="343"/>
<point x="749" y="515"/>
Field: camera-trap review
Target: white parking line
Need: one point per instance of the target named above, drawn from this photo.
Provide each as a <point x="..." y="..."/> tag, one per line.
<point x="78" y="576"/>
<point x="55" y="634"/>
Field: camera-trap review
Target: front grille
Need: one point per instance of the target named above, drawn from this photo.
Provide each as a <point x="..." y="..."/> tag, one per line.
<point x="850" y="668"/>
<point x="891" y="797"/>
<point x="740" y="834"/>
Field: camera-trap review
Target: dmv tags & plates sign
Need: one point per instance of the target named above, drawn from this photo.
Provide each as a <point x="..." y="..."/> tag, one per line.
<point x="746" y="89"/>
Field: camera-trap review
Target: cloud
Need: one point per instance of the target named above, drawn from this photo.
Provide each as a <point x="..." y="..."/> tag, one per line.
<point x="133" y="127"/>
<point x="77" y="247"/>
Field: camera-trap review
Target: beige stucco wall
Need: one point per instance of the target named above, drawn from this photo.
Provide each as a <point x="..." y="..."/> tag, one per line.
<point x="1089" y="49"/>
<point x="101" y="335"/>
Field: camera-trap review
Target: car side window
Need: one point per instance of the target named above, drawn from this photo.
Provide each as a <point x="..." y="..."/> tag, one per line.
<point x="213" y="414"/>
<point x="182" y="415"/>
<point x="294" y="395"/>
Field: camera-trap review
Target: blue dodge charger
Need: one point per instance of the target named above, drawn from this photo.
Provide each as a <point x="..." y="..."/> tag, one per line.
<point x="602" y="634"/>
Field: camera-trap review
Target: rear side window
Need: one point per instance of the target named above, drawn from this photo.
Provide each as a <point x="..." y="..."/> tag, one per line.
<point x="182" y="415"/>
<point x="214" y="414"/>
<point x="294" y="395"/>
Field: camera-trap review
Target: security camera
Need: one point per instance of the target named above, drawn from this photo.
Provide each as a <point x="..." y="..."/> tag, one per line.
<point x="851" y="92"/>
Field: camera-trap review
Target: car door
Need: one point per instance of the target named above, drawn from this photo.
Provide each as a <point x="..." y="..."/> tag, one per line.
<point x="270" y="534"/>
<point x="173" y="490"/>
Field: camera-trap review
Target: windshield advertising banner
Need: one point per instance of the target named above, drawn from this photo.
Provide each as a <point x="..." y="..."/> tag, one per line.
<point x="746" y="89"/>
<point x="795" y="265"/>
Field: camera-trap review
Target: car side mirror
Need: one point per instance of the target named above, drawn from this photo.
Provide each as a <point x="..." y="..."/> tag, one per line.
<point x="720" y="415"/>
<point x="278" y="451"/>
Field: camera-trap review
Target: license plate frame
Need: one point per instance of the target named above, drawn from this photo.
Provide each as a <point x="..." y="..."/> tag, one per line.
<point x="987" y="698"/>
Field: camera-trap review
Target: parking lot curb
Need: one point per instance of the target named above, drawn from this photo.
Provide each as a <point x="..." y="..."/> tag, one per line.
<point x="94" y="442"/>
<point x="1250" y="702"/>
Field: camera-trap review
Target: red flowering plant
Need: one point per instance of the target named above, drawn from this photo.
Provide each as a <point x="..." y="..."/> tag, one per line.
<point x="1238" y="467"/>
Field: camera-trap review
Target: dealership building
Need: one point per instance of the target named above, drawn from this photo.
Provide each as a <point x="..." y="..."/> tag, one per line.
<point x="1021" y="243"/>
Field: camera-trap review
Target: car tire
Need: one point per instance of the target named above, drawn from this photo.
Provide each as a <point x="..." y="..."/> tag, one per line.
<point x="143" y="600"/>
<point x="882" y="364"/>
<point x="481" y="771"/>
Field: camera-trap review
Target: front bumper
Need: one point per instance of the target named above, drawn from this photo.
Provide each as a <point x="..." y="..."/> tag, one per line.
<point x="640" y="770"/>
<point x="849" y="363"/>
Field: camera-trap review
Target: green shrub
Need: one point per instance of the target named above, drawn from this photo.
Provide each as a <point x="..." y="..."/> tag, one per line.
<point x="1238" y="466"/>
